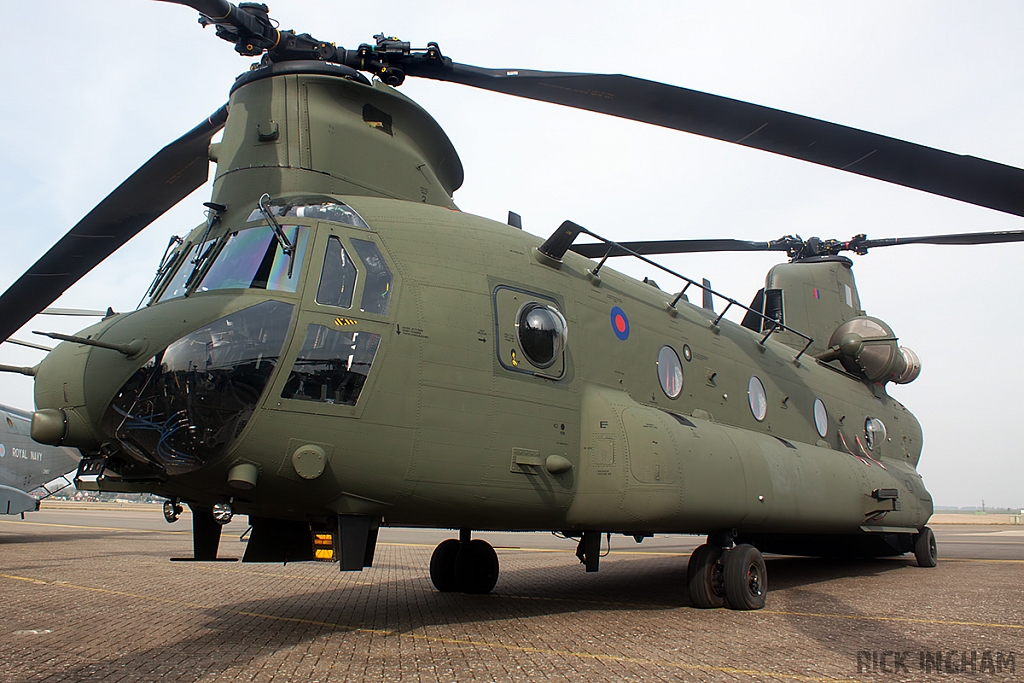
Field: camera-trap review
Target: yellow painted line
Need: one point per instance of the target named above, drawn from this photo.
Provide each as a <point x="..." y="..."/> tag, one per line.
<point x="754" y="673"/>
<point x="107" y="591"/>
<point x="25" y="578"/>
<point x="97" y="528"/>
<point x="970" y="559"/>
<point x="905" y="620"/>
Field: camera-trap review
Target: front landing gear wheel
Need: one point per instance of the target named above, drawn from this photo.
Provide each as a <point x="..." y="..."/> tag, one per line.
<point x="925" y="549"/>
<point x="704" y="577"/>
<point x="476" y="567"/>
<point x="746" y="578"/>
<point x="442" y="566"/>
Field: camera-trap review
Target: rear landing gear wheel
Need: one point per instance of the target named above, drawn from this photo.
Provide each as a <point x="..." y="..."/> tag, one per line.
<point x="925" y="549"/>
<point x="704" y="577"/>
<point x="746" y="578"/>
<point x="476" y="567"/>
<point x="442" y="566"/>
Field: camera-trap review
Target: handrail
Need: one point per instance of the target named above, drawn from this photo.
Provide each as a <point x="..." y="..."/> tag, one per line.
<point x="775" y="325"/>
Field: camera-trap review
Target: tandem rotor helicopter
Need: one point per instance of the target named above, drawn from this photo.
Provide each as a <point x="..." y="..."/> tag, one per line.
<point x="337" y="347"/>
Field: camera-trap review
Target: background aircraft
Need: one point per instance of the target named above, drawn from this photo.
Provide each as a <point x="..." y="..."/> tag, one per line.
<point x="26" y="465"/>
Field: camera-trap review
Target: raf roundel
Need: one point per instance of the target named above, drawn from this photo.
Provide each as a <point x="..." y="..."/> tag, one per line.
<point x="620" y="323"/>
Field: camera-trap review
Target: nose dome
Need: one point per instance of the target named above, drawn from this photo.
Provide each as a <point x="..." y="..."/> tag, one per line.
<point x="190" y="402"/>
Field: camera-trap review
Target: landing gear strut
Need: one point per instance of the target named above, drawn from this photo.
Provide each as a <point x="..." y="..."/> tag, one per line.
<point x="466" y="565"/>
<point x="717" y="576"/>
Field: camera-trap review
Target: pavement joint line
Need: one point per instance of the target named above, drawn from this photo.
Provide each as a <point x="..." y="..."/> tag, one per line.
<point x="543" y="550"/>
<point x="910" y="620"/>
<point x="816" y="615"/>
<point x="400" y="545"/>
<point x="430" y="545"/>
<point x="326" y="579"/>
<point x="753" y="673"/>
<point x="560" y="653"/>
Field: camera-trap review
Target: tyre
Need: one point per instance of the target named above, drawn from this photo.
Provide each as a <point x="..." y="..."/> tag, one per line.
<point x="476" y="567"/>
<point x="925" y="549"/>
<point x="704" y="577"/>
<point x="746" y="578"/>
<point x="442" y="565"/>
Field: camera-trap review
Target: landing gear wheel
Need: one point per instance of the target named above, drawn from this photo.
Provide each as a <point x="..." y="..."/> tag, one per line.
<point x="476" y="567"/>
<point x="442" y="566"/>
<point x="746" y="578"/>
<point x="925" y="549"/>
<point x="704" y="577"/>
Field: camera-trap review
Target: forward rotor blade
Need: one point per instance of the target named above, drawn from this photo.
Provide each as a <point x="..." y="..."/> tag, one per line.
<point x="82" y="312"/>
<point x="163" y="181"/>
<point x="215" y="9"/>
<point x="965" y="178"/>
<point x="597" y="250"/>
<point x="961" y="239"/>
<point x="30" y="345"/>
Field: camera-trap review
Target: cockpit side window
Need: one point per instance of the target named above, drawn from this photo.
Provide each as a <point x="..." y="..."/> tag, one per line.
<point x="338" y="278"/>
<point x="177" y="284"/>
<point x="377" y="289"/>
<point x="332" y="366"/>
<point x="254" y="259"/>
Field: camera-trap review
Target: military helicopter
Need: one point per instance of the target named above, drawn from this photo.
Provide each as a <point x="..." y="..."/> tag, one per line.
<point x="337" y="347"/>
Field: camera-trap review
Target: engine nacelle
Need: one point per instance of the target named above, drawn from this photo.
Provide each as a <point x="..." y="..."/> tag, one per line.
<point x="868" y="348"/>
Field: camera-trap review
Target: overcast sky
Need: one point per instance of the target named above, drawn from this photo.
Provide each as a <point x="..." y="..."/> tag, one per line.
<point x="97" y="88"/>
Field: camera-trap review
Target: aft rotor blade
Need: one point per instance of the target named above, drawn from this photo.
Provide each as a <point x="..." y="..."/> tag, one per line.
<point x="958" y="239"/>
<point x="597" y="250"/>
<point x="171" y="175"/>
<point x="965" y="178"/>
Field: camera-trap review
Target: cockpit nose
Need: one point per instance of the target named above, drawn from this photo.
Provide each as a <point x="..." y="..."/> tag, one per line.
<point x="189" y="403"/>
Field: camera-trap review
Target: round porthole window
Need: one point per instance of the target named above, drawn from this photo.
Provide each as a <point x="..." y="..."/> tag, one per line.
<point x="874" y="432"/>
<point x="670" y="372"/>
<point x="758" y="398"/>
<point x="542" y="332"/>
<point x="820" y="417"/>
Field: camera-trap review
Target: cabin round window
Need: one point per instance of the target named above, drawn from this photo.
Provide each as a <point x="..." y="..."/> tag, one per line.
<point x="758" y="399"/>
<point x="820" y="417"/>
<point x="542" y="333"/>
<point x="670" y="372"/>
<point x="874" y="432"/>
